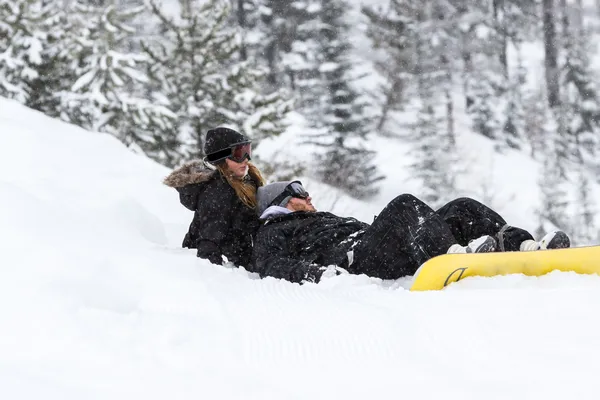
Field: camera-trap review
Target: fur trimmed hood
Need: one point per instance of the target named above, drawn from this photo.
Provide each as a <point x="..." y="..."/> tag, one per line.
<point x="189" y="173"/>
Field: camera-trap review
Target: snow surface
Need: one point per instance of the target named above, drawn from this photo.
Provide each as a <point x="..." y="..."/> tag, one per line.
<point x="98" y="301"/>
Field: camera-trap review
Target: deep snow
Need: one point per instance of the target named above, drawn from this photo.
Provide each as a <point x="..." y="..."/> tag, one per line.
<point x="98" y="301"/>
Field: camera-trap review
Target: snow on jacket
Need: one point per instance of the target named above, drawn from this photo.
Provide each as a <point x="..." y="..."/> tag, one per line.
<point x="298" y="245"/>
<point x="222" y="225"/>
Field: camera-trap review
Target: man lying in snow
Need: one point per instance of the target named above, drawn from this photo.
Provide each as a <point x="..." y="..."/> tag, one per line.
<point x="299" y="244"/>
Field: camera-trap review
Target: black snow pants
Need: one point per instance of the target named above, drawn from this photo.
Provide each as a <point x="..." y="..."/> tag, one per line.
<point x="468" y="219"/>
<point x="408" y="232"/>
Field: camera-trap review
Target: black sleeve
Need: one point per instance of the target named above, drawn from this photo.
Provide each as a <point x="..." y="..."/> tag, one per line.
<point x="272" y="259"/>
<point x="214" y="219"/>
<point x="350" y="221"/>
<point x="188" y="196"/>
<point x="359" y="224"/>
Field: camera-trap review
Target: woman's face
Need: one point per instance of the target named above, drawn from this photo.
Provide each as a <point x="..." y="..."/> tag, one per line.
<point x="239" y="170"/>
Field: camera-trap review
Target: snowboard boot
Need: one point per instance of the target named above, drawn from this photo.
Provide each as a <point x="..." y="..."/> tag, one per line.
<point x="552" y="240"/>
<point x="484" y="244"/>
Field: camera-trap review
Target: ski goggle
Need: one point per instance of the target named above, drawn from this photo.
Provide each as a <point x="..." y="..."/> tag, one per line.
<point x="294" y="189"/>
<point x="241" y="152"/>
<point x="238" y="153"/>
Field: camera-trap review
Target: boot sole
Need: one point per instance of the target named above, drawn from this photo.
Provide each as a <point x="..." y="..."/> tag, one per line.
<point x="559" y="241"/>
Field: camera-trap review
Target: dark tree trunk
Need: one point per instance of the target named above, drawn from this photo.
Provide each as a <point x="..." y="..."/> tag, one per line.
<point x="241" y="17"/>
<point x="579" y="16"/>
<point x="499" y="17"/>
<point x="551" y="53"/>
<point x="564" y="12"/>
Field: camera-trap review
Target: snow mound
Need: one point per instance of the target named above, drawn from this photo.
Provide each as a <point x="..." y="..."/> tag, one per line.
<point x="98" y="301"/>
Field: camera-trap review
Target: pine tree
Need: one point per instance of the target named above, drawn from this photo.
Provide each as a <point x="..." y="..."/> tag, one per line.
<point x="399" y="29"/>
<point x="486" y="32"/>
<point x="554" y="195"/>
<point x="196" y="65"/>
<point x="244" y="17"/>
<point x="551" y="48"/>
<point x="584" y="227"/>
<point x="483" y="89"/>
<point x="55" y="74"/>
<point x="301" y="61"/>
<point x="536" y="112"/>
<point x="435" y="149"/>
<point x="281" y="24"/>
<point x="390" y="29"/>
<point x="279" y="36"/>
<point x="580" y="101"/>
<point x="514" y="115"/>
<point x="433" y="153"/>
<point x="24" y="34"/>
<point x="108" y="93"/>
<point x="553" y="179"/>
<point x="440" y="44"/>
<point x="346" y="163"/>
<point x="513" y="22"/>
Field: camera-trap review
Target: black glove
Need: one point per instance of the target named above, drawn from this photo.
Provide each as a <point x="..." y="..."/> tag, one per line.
<point x="210" y="251"/>
<point x="313" y="274"/>
<point x="215" y="258"/>
<point x="316" y="273"/>
<point x="188" y="243"/>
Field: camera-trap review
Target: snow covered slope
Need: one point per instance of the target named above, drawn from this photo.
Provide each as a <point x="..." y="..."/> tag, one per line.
<point x="98" y="301"/>
<point x="508" y="182"/>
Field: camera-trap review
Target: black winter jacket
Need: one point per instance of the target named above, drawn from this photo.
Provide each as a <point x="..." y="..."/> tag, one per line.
<point x="222" y="225"/>
<point x="295" y="246"/>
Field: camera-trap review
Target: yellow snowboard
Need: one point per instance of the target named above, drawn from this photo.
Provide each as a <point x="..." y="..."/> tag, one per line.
<point x="443" y="270"/>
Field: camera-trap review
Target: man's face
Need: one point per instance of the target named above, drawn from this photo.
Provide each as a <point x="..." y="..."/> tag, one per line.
<point x="297" y="204"/>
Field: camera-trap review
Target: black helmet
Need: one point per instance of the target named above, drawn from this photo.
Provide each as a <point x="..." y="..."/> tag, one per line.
<point x="220" y="141"/>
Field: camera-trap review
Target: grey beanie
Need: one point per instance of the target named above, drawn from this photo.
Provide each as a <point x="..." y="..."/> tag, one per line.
<point x="266" y="194"/>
